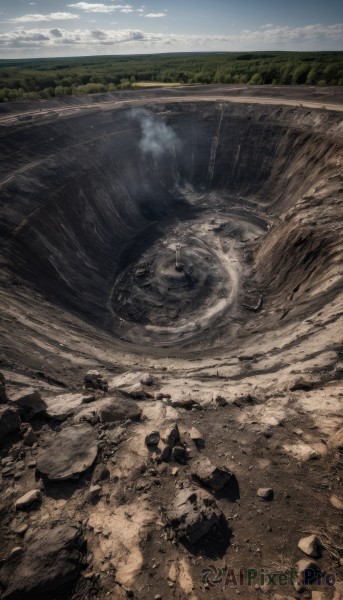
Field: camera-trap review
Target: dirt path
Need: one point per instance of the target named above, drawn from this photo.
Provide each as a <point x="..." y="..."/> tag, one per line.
<point x="180" y="98"/>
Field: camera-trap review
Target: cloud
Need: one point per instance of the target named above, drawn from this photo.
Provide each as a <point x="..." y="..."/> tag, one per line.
<point x="156" y="15"/>
<point x="102" y="8"/>
<point x="58" y="16"/>
<point x="51" y="41"/>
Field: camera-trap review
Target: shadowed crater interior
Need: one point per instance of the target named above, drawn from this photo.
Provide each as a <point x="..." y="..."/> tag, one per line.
<point x="183" y="223"/>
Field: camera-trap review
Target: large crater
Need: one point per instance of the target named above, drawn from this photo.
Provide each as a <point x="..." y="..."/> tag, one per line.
<point x="96" y="201"/>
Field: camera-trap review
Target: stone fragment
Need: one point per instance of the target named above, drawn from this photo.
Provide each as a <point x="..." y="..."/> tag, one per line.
<point x="94" y="492"/>
<point x="220" y="400"/>
<point x="165" y="455"/>
<point x="52" y="558"/>
<point x="209" y="474"/>
<point x="137" y="391"/>
<point x="87" y="398"/>
<point x="152" y="439"/>
<point x="311" y="546"/>
<point x="186" y="403"/>
<point x="195" y="435"/>
<point x="172" y="437"/>
<point x="193" y="513"/>
<point x="21" y="530"/>
<point x="29" y="436"/>
<point x="3" y="393"/>
<point x="179" y="454"/>
<point x="265" y="493"/>
<point x="306" y="570"/>
<point x="9" y="421"/>
<point x="301" y="451"/>
<point x="28" y="499"/>
<point x="68" y="454"/>
<point x="94" y="380"/>
<point x="15" y="551"/>
<point x="336" y="502"/>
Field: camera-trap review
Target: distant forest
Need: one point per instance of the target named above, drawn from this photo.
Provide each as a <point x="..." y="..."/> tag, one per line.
<point x="45" y="78"/>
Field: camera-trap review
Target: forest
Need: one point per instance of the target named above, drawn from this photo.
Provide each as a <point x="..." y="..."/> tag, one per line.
<point x="44" y="78"/>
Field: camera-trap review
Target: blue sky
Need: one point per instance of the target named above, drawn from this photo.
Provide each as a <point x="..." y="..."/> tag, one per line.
<point x="75" y="28"/>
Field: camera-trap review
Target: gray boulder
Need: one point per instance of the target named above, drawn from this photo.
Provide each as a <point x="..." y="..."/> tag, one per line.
<point x="52" y="558"/>
<point x="114" y="410"/>
<point x="68" y="454"/>
<point x="63" y="406"/>
<point x="193" y="513"/>
<point x="210" y="475"/>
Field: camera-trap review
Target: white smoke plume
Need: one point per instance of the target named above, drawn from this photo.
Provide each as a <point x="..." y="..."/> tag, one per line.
<point x="157" y="137"/>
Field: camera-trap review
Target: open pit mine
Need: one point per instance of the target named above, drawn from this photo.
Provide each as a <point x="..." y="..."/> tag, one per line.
<point x="171" y="345"/>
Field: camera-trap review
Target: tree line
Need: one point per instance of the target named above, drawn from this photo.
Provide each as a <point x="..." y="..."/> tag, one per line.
<point x="45" y="78"/>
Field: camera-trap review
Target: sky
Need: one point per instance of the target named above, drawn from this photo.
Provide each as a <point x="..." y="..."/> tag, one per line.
<point x="44" y="28"/>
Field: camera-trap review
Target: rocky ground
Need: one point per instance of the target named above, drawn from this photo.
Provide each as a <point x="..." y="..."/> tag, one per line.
<point x="124" y="487"/>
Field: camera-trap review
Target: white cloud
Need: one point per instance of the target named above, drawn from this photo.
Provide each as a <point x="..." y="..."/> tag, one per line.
<point x="59" y="40"/>
<point x="102" y="8"/>
<point x="59" y="16"/>
<point x="156" y="15"/>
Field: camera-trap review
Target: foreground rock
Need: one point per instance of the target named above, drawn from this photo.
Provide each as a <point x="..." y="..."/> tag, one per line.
<point x="193" y="513"/>
<point x="28" y="499"/>
<point x="311" y="546"/>
<point x="108" y="410"/>
<point x="63" y="406"/>
<point x="210" y="475"/>
<point x="3" y="393"/>
<point x="29" y="402"/>
<point x="132" y="384"/>
<point x="9" y="421"/>
<point x="114" y="410"/>
<point x="52" y="559"/>
<point x="68" y="454"/>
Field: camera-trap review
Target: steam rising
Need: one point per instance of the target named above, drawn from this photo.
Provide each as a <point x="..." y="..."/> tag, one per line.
<point x="157" y="137"/>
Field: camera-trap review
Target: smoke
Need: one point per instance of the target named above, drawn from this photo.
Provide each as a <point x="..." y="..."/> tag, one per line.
<point x="157" y="137"/>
